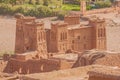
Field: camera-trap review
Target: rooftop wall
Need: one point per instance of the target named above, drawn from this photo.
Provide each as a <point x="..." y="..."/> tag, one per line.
<point x="72" y="19"/>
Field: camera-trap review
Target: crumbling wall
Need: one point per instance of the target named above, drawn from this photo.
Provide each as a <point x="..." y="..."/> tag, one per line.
<point x="35" y="66"/>
<point x="98" y="57"/>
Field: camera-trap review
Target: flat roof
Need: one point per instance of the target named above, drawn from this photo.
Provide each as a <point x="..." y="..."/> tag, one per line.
<point x="69" y="56"/>
<point x="79" y="26"/>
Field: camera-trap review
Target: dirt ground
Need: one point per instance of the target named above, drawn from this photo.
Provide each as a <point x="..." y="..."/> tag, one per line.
<point x="7" y="34"/>
<point x="80" y="73"/>
<point x="68" y="74"/>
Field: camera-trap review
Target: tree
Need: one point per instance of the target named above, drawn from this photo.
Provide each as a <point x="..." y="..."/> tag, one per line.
<point x="46" y="2"/>
<point x="13" y="2"/>
<point x="37" y="2"/>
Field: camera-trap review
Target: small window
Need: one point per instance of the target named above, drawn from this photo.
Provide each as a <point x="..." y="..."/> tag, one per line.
<point x="84" y="37"/>
<point x="78" y="37"/>
<point x="61" y="36"/>
<point x="73" y="41"/>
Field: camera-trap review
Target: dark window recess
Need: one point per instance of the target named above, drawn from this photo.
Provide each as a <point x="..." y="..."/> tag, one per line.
<point x="73" y="41"/>
<point x="78" y="37"/>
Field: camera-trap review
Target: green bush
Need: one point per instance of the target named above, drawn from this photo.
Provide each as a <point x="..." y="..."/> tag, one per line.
<point x="19" y="9"/>
<point x="61" y="15"/>
<point x="5" y="9"/>
<point x="43" y="11"/>
<point x="32" y="2"/>
<point x="89" y="7"/>
<point x="30" y="10"/>
<point x="70" y="7"/>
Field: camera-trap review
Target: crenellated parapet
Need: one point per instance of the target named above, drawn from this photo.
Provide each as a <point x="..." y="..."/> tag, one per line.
<point x="72" y="19"/>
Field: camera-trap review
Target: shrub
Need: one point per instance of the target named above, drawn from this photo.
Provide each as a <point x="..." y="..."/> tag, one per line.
<point x="61" y="15"/>
<point x="46" y="2"/>
<point x="43" y="11"/>
<point x="19" y="9"/>
<point x="89" y="7"/>
<point x="31" y="12"/>
<point x="31" y="2"/>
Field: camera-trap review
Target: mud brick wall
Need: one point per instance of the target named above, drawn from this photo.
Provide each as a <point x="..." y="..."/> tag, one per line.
<point x="35" y="66"/>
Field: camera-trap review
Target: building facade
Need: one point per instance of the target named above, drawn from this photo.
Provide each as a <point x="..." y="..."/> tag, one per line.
<point x="70" y="34"/>
<point x="76" y="36"/>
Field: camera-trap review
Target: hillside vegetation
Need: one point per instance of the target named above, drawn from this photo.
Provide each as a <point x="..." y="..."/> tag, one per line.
<point x="45" y="8"/>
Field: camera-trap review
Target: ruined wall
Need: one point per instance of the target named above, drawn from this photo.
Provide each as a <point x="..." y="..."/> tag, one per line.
<point x="35" y="66"/>
<point x="98" y="57"/>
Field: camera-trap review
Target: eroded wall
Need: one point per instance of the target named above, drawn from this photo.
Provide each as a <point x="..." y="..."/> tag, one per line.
<point x="35" y="66"/>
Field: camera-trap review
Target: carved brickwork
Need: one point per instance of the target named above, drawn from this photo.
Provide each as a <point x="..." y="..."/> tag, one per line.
<point x="30" y="36"/>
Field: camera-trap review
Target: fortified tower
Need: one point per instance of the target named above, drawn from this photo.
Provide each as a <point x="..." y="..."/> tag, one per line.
<point x="30" y="35"/>
<point x="99" y="33"/>
<point x="59" y="37"/>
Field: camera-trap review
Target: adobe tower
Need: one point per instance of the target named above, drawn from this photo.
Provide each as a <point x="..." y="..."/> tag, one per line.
<point x="30" y="35"/>
<point x="99" y="33"/>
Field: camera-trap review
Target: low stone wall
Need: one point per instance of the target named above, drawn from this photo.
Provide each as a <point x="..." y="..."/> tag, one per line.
<point x="35" y="66"/>
<point x="104" y="10"/>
